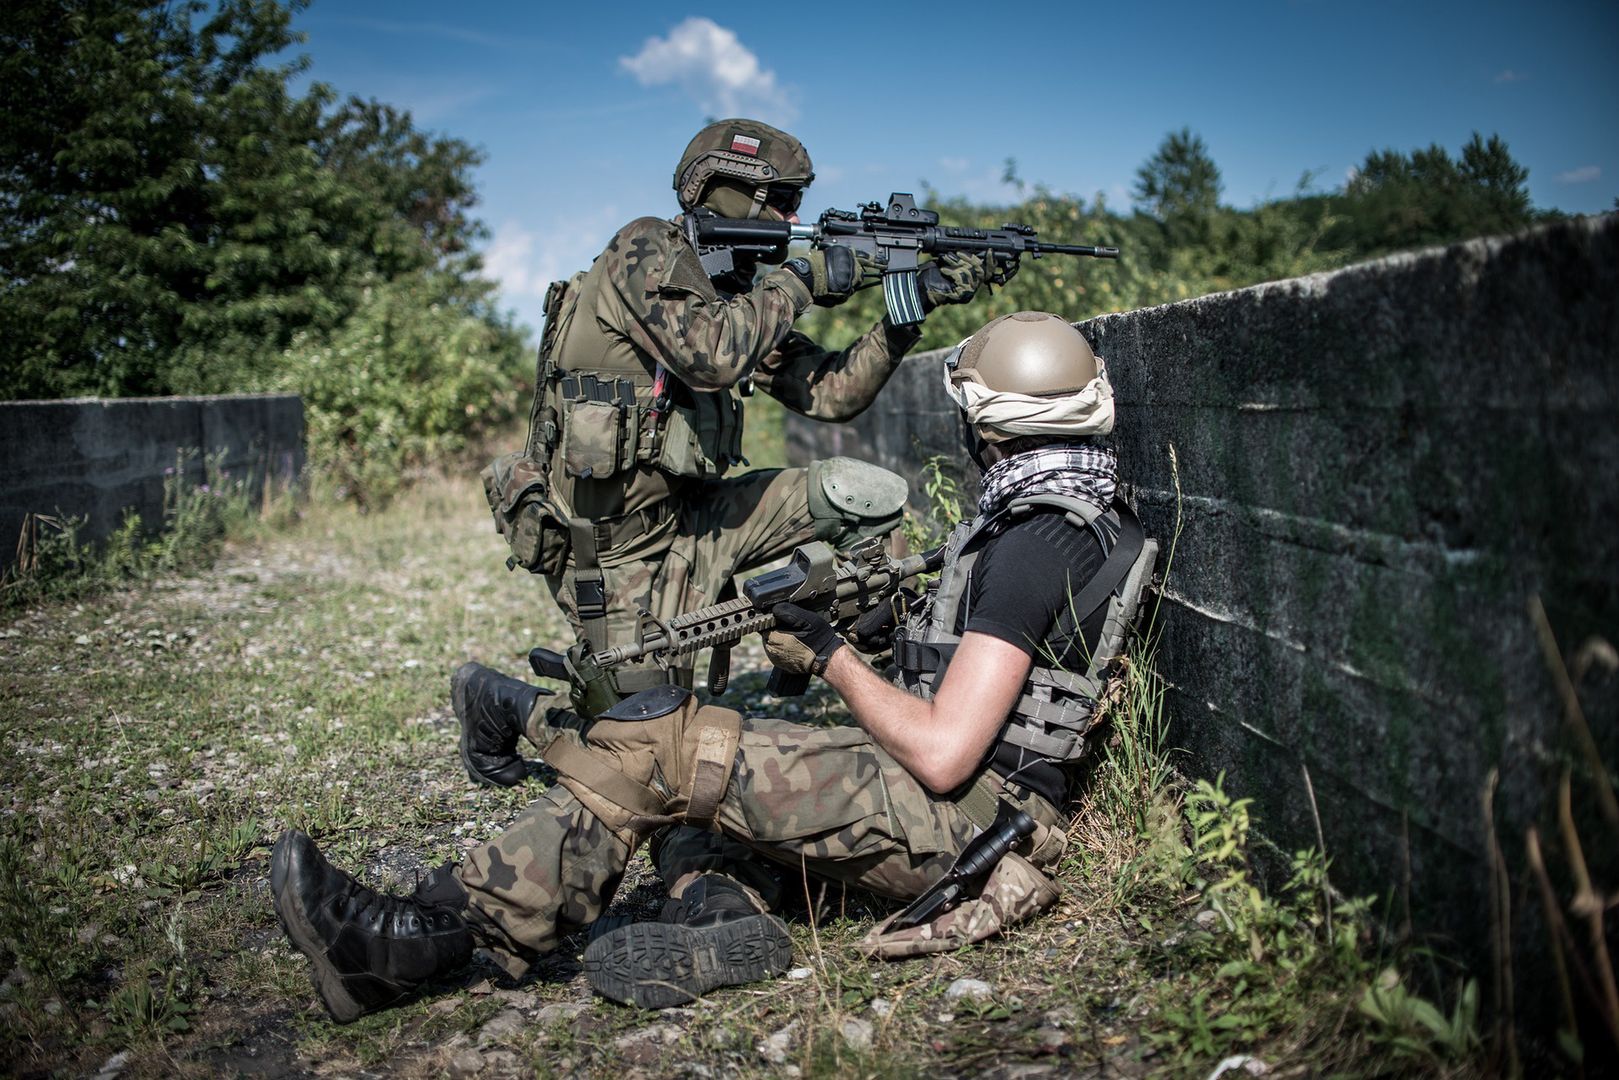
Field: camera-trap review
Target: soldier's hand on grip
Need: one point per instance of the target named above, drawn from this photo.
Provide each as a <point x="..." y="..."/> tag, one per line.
<point x="955" y="277"/>
<point x="801" y="642"/>
<point x="832" y="274"/>
<point x="873" y="631"/>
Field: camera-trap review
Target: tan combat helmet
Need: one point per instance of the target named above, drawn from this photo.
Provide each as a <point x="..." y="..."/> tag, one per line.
<point x="1030" y="373"/>
<point x="731" y="166"/>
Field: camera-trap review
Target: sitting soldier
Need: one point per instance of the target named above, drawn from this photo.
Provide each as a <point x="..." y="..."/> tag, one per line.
<point x="1000" y="670"/>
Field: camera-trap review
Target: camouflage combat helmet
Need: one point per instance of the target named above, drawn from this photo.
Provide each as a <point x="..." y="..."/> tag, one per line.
<point x="1027" y="372"/>
<point x="751" y="155"/>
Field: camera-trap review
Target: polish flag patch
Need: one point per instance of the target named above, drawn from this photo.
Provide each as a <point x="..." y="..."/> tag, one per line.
<point x="741" y="144"/>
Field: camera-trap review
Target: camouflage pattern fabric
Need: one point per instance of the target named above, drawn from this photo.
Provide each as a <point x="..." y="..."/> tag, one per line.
<point x="554" y="871"/>
<point x="956" y="277"/>
<point x="829" y="801"/>
<point x="646" y="302"/>
<point x="1015" y="891"/>
<point x="721" y="528"/>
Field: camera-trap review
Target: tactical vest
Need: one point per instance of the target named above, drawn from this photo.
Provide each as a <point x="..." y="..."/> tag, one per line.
<point x="1054" y="711"/>
<point x="601" y="409"/>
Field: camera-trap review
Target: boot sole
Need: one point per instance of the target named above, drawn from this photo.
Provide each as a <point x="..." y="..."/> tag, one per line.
<point x="654" y="965"/>
<point x="458" y="701"/>
<point x="328" y="983"/>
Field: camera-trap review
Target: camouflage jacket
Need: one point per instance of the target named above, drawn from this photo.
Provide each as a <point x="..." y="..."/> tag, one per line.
<point x="646" y="302"/>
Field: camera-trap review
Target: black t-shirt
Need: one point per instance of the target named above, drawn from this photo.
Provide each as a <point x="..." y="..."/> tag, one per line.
<point x="1024" y="579"/>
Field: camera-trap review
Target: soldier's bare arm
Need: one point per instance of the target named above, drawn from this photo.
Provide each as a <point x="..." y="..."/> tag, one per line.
<point x="940" y="742"/>
<point x="835" y="386"/>
<point x="660" y="298"/>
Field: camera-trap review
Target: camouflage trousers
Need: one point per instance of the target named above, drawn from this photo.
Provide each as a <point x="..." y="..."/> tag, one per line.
<point x="713" y="530"/>
<point x="827" y="802"/>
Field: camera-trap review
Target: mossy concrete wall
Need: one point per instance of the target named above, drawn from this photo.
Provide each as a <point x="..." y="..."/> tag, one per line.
<point x="101" y="458"/>
<point x="1378" y="467"/>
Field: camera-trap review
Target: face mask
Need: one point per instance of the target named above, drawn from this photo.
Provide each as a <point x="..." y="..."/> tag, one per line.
<point x="974" y="444"/>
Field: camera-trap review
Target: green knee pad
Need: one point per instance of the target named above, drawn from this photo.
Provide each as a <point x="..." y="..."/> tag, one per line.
<point x="850" y="500"/>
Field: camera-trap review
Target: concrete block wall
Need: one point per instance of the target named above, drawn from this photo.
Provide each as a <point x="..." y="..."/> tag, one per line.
<point x="1378" y="467"/>
<point x="100" y="458"/>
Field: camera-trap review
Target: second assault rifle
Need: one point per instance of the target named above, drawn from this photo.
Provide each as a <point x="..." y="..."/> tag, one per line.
<point x="815" y="578"/>
<point x="890" y="234"/>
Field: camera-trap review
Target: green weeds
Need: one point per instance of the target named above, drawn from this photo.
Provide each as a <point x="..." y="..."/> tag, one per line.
<point x="55" y="562"/>
<point x="941" y="487"/>
<point x="1292" y="974"/>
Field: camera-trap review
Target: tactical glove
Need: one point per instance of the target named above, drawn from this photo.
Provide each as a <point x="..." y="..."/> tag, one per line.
<point x="873" y="631"/>
<point x="802" y="642"/>
<point x="832" y="274"/>
<point x="956" y="277"/>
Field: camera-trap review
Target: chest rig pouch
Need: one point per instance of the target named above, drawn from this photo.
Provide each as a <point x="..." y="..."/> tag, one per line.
<point x="605" y="407"/>
<point x="517" y="485"/>
<point x="1055" y="711"/>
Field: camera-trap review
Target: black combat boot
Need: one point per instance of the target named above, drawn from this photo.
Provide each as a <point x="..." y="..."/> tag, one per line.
<point x="368" y="950"/>
<point x="714" y="935"/>
<point x="492" y="709"/>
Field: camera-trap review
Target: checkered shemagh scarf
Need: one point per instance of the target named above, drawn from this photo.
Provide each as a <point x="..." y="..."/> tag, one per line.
<point x="1083" y="472"/>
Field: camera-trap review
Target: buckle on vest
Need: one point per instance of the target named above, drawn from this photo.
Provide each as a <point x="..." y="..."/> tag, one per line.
<point x="590" y="595"/>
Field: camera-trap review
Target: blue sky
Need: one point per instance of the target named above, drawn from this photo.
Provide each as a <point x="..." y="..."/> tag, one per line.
<point x="583" y="109"/>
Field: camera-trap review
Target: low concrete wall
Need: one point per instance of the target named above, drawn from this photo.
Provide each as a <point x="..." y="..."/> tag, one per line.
<point x="99" y="458"/>
<point x="1378" y="467"/>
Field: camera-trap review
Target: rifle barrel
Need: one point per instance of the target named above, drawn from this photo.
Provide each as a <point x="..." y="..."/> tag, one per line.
<point x="1042" y="248"/>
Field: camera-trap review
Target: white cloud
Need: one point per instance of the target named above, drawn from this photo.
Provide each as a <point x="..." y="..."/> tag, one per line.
<point x="712" y="66"/>
<point x="1510" y="76"/>
<point x="1583" y="175"/>
<point x="525" y="262"/>
<point x="955" y="164"/>
<point x="510" y="261"/>
<point x="829" y="174"/>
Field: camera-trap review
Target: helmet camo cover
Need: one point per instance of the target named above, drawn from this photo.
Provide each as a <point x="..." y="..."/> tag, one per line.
<point x="745" y="150"/>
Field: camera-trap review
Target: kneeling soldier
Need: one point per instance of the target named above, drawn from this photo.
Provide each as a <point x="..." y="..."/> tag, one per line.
<point x="1000" y="667"/>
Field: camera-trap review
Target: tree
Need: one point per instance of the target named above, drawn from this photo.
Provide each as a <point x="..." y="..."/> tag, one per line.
<point x="1179" y="180"/>
<point x="1500" y="186"/>
<point x="1396" y="200"/>
<point x="172" y="215"/>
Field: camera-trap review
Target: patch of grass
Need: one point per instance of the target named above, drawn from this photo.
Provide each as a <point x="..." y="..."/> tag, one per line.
<point x="55" y="562"/>
<point x="154" y="743"/>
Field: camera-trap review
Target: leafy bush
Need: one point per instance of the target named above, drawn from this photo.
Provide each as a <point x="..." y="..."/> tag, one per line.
<point x="412" y="375"/>
<point x="184" y="220"/>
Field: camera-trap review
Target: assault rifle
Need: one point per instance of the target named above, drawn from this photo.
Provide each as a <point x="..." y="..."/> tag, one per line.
<point x="892" y="235"/>
<point x="840" y="589"/>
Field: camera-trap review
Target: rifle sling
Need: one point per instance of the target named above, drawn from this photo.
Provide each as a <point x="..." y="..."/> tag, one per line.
<point x="1114" y="570"/>
<point x="589" y="584"/>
